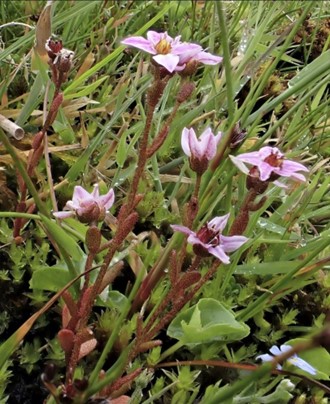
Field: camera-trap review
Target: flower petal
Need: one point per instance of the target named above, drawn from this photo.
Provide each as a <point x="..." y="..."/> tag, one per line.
<point x="218" y="223"/>
<point x="168" y="61"/>
<point x="280" y="184"/>
<point x="193" y="239"/>
<point x="285" y="348"/>
<point x="79" y="194"/>
<point x="268" y="358"/>
<point x="239" y="164"/>
<point x="96" y="192"/>
<point x="140" y="43"/>
<point x="107" y="200"/>
<point x="207" y="58"/>
<point x="185" y="140"/>
<point x="266" y="151"/>
<point x="265" y="357"/>
<point x="70" y="205"/>
<point x="185" y="49"/>
<point x="232" y="243"/>
<point x="195" y="145"/>
<point x="207" y="145"/>
<point x="293" y="166"/>
<point x="298" y="177"/>
<point x="303" y="365"/>
<point x="276" y="350"/>
<point x="250" y="158"/>
<point x="219" y="253"/>
<point x="265" y="171"/>
<point x="155" y="37"/>
<point x="211" y="150"/>
<point x="182" y="229"/>
<point x="63" y="214"/>
<point x="289" y="168"/>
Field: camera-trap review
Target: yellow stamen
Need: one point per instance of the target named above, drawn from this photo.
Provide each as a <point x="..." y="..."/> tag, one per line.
<point x="163" y="47"/>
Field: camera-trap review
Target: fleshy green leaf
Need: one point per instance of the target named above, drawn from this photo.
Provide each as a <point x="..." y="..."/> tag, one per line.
<point x="207" y="321"/>
<point x="63" y="239"/>
<point x="50" y="278"/>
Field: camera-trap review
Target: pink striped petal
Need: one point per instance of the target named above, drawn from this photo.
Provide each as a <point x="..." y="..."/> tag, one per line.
<point x="63" y="214"/>
<point x="168" y="61"/>
<point x="207" y="58"/>
<point x="185" y="140"/>
<point x="140" y="43"/>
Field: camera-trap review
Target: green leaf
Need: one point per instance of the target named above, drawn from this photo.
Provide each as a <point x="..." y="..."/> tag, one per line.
<point x="50" y="278"/>
<point x="63" y="239"/>
<point x="117" y="300"/>
<point x="207" y="321"/>
<point x="86" y="90"/>
<point x="315" y="68"/>
<point x="32" y="101"/>
<point x="266" y="268"/>
<point x="122" y="151"/>
<point x="62" y="126"/>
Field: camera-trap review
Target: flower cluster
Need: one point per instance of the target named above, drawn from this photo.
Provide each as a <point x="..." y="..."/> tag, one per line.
<point x="209" y="240"/>
<point x="293" y="360"/>
<point x="170" y="52"/>
<point x="88" y="207"/>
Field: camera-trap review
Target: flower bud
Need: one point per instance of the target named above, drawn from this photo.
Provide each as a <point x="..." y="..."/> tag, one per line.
<point x="200" y="150"/>
<point x="93" y="239"/>
<point x="66" y="337"/>
<point x="190" y="68"/>
<point x="49" y="372"/>
<point x="53" y="47"/>
<point x="185" y="92"/>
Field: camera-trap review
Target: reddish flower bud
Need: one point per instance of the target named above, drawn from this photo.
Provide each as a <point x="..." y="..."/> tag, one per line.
<point x="66" y="338"/>
<point x="185" y="92"/>
<point x="38" y="138"/>
<point x="93" y="239"/>
<point x="53" y="47"/>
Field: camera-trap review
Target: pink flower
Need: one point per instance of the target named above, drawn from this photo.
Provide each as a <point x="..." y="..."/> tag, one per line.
<point x="270" y="163"/>
<point x="200" y="150"/>
<point x="209" y="240"/>
<point x="88" y="207"/>
<point x="171" y="53"/>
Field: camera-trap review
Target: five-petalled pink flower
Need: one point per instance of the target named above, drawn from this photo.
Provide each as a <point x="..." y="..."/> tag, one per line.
<point x="200" y="150"/>
<point x="170" y="52"/>
<point x="88" y="207"/>
<point x="209" y="240"/>
<point x="269" y="164"/>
